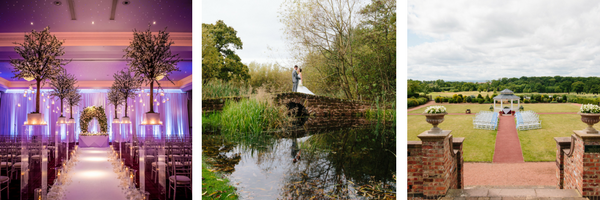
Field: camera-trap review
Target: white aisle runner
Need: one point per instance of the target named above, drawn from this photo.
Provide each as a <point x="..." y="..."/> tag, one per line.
<point x="93" y="177"/>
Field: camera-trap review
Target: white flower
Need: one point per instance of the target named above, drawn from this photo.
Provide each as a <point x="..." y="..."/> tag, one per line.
<point x="435" y="109"/>
<point x="589" y="108"/>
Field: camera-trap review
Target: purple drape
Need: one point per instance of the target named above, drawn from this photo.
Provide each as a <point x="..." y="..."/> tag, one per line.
<point x="173" y="112"/>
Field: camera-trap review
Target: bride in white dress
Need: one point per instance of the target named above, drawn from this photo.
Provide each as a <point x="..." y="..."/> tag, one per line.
<point x="302" y="88"/>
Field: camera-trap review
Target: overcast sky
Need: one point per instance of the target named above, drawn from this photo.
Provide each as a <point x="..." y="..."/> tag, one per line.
<point x="485" y="40"/>
<point x="256" y="24"/>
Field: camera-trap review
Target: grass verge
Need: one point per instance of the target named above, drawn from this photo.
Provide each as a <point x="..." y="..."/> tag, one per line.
<point x="215" y="185"/>
<point x="478" y="145"/>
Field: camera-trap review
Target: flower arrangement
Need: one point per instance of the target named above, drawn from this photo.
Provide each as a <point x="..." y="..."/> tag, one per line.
<point x="589" y="108"/>
<point x="435" y="110"/>
<point x="90" y="113"/>
<point x="93" y="134"/>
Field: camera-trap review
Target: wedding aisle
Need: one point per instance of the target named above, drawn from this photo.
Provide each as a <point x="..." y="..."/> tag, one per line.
<point x="93" y="177"/>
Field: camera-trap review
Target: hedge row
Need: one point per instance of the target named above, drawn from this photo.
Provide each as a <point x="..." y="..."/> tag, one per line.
<point x="412" y="102"/>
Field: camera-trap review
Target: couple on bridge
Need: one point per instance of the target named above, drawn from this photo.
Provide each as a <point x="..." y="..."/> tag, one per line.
<point x="297" y="81"/>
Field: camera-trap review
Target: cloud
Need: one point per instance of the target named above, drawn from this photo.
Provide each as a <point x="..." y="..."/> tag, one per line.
<point x="484" y="40"/>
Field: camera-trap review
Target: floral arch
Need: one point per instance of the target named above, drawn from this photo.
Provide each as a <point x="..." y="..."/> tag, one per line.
<point x="90" y="113"/>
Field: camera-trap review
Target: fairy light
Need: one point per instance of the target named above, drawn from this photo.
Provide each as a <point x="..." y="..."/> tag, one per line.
<point x="19" y="104"/>
<point x="29" y="98"/>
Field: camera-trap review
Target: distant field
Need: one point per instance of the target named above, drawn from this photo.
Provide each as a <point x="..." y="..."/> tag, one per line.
<point x="478" y="145"/>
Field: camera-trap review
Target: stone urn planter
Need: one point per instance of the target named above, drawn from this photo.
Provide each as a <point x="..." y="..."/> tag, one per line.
<point x="590" y="119"/>
<point x="435" y="119"/>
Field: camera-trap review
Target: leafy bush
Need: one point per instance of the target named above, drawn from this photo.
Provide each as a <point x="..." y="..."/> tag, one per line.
<point x="526" y="101"/>
<point x="422" y="100"/>
<point x="534" y="101"/>
<point x="480" y="101"/>
<point x="553" y="102"/>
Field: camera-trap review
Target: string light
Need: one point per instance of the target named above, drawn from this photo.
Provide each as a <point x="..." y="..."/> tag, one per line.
<point x="52" y="102"/>
<point x="29" y="98"/>
<point x="19" y="104"/>
<point x="163" y="101"/>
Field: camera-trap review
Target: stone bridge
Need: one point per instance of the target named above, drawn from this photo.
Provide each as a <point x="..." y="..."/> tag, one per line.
<point x="312" y="104"/>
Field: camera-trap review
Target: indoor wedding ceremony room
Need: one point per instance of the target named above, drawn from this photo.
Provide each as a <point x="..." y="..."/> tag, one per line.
<point x="96" y="99"/>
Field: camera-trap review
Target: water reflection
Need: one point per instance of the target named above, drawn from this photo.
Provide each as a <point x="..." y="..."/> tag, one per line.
<point x="339" y="163"/>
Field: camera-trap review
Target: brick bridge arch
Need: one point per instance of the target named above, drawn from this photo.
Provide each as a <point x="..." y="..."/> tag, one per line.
<point x="315" y="105"/>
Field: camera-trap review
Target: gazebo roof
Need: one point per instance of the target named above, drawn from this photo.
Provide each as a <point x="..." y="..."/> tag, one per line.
<point x="506" y="94"/>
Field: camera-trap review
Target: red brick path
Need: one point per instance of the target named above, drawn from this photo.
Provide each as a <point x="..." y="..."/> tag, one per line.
<point x="508" y="146"/>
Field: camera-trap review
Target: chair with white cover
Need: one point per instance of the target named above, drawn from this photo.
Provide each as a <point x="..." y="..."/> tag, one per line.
<point x="181" y="173"/>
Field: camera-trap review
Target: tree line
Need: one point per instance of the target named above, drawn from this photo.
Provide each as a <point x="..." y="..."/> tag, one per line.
<point x="543" y="84"/>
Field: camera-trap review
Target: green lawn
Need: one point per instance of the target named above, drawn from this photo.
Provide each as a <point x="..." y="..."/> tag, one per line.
<point x="475" y="108"/>
<point x="539" y="145"/>
<point x="458" y="108"/>
<point x="478" y="145"/>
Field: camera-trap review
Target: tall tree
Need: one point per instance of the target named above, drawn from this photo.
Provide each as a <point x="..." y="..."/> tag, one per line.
<point x="115" y="98"/>
<point x="73" y="99"/>
<point x="326" y="27"/>
<point x="149" y="57"/>
<point x="212" y="60"/>
<point x="227" y="65"/>
<point x="39" y="59"/>
<point x="126" y="85"/>
<point x="62" y="85"/>
<point x="578" y="87"/>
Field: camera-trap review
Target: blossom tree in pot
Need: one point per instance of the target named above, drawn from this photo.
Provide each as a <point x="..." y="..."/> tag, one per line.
<point x="126" y="85"/>
<point x="435" y="115"/>
<point x="115" y="99"/>
<point x="73" y="100"/>
<point x="590" y="114"/>
<point x="149" y="57"/>
<point x="39" y="61"/>
<point x="62" y="85"/>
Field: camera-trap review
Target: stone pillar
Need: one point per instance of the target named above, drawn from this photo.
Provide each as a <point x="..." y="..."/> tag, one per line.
<point x="562" y="144"/>
<point x="438" y="162"/>
<point x="582" y="163"/>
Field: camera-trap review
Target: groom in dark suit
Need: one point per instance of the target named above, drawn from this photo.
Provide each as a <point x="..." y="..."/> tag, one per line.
<point x="295" y="78"/>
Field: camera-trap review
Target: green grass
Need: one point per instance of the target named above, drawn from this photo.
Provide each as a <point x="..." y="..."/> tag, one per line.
<point x="475" y="108"/>
<point x="459" y="108"/>
<point x="215" y="185"/>
<point x="478" y="145"/>
<point x="539" y="144"/>
<point x="250" y="116"/>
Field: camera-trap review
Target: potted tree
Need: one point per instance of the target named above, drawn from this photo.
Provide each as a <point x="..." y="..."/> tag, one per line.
<point x="115" y="99"/>
<point x="590" y="114"/>
<point x="62" y="85"/>
<point x="126" y="85"/>
<point x="73" y="99"/>
<point x="39" y="61"/>
<point x="435" y="115"/>
<point x="149" y="57"/>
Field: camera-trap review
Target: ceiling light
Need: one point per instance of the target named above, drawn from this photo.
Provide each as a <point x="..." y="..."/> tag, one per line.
<point x="31" y="23"/>
<point x="126" y="2"/>
<point x="153" y="22"/>
<point x="57" y="3"/>
<point x="92" y="22"/>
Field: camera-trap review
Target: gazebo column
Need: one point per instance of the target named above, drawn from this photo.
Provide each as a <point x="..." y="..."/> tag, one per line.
<point x="494" y="105"/>
<point x="501" y="106"/>
<point x="511" y="105"/>
<point x="519" y="103"/>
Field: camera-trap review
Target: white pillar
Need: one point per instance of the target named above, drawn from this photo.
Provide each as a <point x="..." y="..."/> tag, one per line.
<point x="494" y="105"/>
<point x="519" y="103"/>
<point x="511" y="105"/>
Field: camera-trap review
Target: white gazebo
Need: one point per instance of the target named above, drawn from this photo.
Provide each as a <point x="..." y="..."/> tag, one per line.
<point x="506" y="95"/>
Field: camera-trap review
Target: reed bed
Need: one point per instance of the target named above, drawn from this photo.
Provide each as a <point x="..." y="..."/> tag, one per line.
<point x="217" y="88"/>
